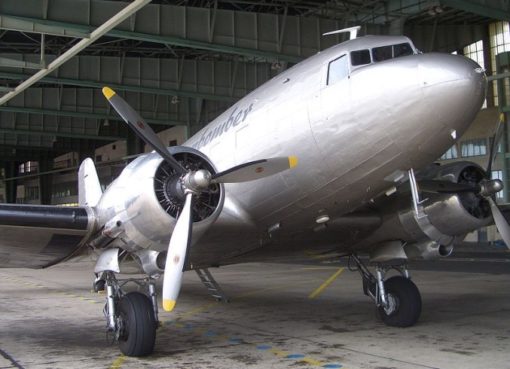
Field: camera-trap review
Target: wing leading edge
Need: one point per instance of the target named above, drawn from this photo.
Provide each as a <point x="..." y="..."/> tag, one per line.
<point x="37" y="236"/>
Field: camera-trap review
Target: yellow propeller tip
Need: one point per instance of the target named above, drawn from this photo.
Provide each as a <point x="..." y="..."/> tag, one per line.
<point x="108" y="92"/>
<point x="168" y="305"/>
<point x="293" y="161"/>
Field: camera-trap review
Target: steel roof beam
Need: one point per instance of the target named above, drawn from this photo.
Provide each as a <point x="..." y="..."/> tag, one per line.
<point x="120" y="87"/>
<point x="496" y="9"/>
<point x="94" y="35"/>
<point x="77" y="114"/>
<point x="32" y="132"/>
<point x="273" y="37"/>
<point x="27" y="24"/>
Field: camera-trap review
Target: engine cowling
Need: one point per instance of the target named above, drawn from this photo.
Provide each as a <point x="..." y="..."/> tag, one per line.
<point x="447" y="217"/>
<point x="140" y="207"/>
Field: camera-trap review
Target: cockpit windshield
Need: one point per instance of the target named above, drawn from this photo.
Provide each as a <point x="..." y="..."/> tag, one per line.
<point x="377" y="54"/>
<point x="391" y="51"/>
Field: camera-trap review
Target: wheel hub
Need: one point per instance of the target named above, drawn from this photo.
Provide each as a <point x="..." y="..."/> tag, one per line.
<point x="392" y="304"/>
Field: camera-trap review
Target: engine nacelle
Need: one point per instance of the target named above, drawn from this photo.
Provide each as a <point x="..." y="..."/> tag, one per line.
<point x="139" y="209"/>
<point x="445" y="217"/>
<point x="452" y="214"/>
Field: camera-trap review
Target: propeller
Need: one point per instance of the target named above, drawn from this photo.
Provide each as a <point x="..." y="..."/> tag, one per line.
<point x="192" y="184"/>
<point x="486" y="188"/>
<point x="498" y="132"/>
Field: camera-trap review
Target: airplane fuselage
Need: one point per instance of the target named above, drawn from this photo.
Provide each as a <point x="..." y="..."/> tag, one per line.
<point x="351" y="126"/>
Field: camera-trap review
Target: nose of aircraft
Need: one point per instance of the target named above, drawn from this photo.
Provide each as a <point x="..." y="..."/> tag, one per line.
<point x="454" y="87"/>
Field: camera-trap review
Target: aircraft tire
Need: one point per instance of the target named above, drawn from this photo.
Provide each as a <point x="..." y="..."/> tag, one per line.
<point x="138" y="331"/>
<point x="407" y="298"/>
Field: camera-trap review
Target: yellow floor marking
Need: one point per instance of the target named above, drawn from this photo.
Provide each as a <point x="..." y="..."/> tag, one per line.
<point x="197" y="310"/>
<point x="323" y="286"/>
<point x="311" y="361"/>
<point x="279" y="353"/>
<point x="316" y="268"/>
<point x="117" y="363"/>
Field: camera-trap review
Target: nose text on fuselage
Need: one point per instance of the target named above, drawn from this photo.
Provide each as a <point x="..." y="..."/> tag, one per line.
<point x="236" y="117"/>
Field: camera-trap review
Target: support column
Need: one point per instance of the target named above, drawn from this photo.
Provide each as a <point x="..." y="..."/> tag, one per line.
<point x="86" y="153"/>
<point x="10" y="186"/>
<point x="2" y="182"/>
<point x="134" y="144"/>
<point x="45" y="180"/>
<point x="503" y="66"/>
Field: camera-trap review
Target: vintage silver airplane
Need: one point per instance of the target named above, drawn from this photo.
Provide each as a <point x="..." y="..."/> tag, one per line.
<point x="366" y="119"/>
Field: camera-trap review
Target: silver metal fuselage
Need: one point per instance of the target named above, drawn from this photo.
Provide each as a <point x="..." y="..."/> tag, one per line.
<point x="349" y="136"/>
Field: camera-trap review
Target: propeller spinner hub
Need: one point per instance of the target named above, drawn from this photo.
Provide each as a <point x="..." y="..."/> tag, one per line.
<point x="491" y="187"/>
<point x="197" y="181"/>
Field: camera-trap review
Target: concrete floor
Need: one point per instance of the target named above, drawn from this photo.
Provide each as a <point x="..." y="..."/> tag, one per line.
<point x="50" y="319"/>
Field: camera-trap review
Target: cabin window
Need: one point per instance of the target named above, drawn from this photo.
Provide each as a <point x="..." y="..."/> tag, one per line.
<point x="360" y="57"/>
<point x="337" y="70"/>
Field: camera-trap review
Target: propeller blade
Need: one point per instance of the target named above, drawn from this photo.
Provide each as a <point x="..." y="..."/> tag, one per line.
<point x="177" y="248"/>
<point x="141" y="128"/>
<point x="494" y="144"/>
<point x="255" y="169"/>
<point x="436" y="186"/>
<point x="500" y="221"/>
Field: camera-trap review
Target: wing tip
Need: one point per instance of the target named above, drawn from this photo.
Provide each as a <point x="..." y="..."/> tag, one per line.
<point x="108" y="92"/>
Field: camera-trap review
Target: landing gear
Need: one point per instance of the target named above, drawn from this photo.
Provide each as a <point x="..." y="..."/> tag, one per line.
<point x="132" y="318"/>
<point x="404" y="303"/>
<point x="397" y="299"/>
<point x="137" y="326"/>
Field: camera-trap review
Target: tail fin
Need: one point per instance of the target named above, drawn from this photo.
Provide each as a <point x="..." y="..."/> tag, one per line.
<point x="89" y="188"/>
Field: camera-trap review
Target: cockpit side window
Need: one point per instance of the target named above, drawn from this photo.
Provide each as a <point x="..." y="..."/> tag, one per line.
<point x="337" y="70"/>
<point x="360" y="57"/>
<point x="382" y="53"/>
<point x="402" y="50"/>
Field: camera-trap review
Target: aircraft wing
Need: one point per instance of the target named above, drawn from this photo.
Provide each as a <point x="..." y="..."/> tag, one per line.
<point x="37" y="236"/>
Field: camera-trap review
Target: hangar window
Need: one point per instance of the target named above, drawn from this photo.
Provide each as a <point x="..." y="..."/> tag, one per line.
<point x="450" y="154"/>
<point x="477" y="147"/>
<point x="499" y="36"/>
<point x="475" y="52"/>
<point x="360" y="57"/>
<point x="498" y="174"/>
<point x="337" y="70"/>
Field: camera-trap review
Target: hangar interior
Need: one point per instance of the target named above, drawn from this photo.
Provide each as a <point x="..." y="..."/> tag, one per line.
<point x="181" y="63"/>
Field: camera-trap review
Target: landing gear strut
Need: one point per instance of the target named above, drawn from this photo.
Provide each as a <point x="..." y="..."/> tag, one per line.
<point x="397" y="299"/>
<point x="131" y="318"/>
